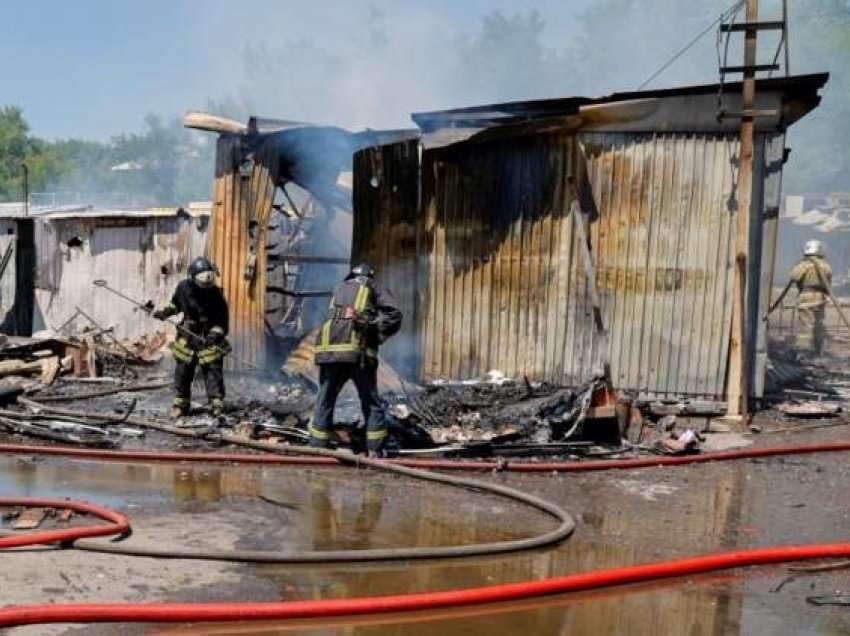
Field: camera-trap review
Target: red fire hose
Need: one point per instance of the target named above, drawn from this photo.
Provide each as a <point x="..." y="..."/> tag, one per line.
<point x="426" y="464"/>
<point x="119" y="524"/>
<point x="217" y="612"/>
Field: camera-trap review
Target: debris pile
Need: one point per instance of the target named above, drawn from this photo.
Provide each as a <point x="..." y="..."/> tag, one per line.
<point x="28" y="363"/>
<point x="499" y="415"/>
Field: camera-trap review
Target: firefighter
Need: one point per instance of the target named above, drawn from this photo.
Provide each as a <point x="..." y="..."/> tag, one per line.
<point x="813" y="277"/>
<point x="200" y="338"/>
<point x="362" y="315"/>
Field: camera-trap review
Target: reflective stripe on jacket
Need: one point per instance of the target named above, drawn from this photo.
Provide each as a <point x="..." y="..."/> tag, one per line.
<point x="338" y="339"/>
<point x="181" y="350"/>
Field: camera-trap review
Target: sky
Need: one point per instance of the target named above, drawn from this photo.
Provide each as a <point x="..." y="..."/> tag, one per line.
<point x="95" y="68"/>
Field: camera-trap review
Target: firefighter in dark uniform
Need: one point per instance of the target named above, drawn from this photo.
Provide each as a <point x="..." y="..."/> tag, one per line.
<point x="200" y="336"/>
<point x="362" y="315"/>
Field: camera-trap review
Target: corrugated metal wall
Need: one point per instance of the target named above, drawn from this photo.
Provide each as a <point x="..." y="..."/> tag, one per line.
<point x="240" y="214"/>
<point x="8" y="279"/>
<point x="386" y="183"/>
<point x="506" y="288"/>
<point x="143" y="257"/>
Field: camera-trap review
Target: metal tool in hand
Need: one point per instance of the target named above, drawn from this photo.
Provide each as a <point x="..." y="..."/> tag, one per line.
<point x="147" y="307"/>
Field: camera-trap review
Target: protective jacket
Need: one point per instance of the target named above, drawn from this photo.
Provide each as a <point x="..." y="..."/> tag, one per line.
<point x="362" y="314"/>
<point x="204" y="313"/>
<point x="812" y="276"/>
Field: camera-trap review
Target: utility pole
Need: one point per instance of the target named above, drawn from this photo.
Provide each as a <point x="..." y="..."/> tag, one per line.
<point x="26" y="170"/>
<point x="738" y="386"/>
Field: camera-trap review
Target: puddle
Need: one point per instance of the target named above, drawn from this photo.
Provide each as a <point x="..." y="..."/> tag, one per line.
<point x="114" y="484"/>
<point x="651" y="515"/>
<point x="648" y="492"/>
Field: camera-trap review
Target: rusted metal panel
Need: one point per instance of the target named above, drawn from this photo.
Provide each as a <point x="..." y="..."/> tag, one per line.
<point x="768" y="216"/>
<point x="242" y="205"/>
<point x="500" y="281"/>
<point x="505" y="286"/>
<point x="8" y="276"/>
<point x="143" y="257"/>
<point x="386" y="196"/>
<point x="663" y="251"/>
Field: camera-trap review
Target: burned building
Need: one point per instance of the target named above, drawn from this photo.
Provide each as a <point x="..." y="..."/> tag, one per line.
<point x="51" y="255"/>
<point x="470" y="224"/>
<point x="281" y="226"/>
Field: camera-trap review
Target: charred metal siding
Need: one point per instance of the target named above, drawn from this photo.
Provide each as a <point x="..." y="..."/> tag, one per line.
<point x="385" y="194"/>
<point x="663" y="250"/>
<point x="500" y="280"/>
<point x="144" y="257"/>
<point x="242" y="205"/>
<point x="506" y="288"/>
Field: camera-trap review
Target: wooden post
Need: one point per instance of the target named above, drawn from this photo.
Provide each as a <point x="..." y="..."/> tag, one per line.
<point x="580" y="217"/>
<point x="737" y="389"/>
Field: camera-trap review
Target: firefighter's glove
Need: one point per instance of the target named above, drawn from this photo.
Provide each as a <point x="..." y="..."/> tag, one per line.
<point x="361" y="321"/>
<point x="365" y="322"/>
<point x="214" y="338"/>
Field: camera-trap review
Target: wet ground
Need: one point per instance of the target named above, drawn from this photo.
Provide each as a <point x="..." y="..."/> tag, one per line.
<point x="623" y="518"/>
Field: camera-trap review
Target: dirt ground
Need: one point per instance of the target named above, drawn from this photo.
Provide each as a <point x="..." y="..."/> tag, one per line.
<point x="623" y="518"/>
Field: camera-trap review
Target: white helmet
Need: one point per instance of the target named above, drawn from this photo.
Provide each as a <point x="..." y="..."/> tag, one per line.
<point x="813" y="248"/>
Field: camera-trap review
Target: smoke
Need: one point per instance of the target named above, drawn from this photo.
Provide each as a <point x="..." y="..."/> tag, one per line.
<point x="361" y="66"/>
<point x="370" y="67"/>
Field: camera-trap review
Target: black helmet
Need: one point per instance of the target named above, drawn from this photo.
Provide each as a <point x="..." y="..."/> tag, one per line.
<point x="363" y="269"/>
<point x="202" y="272"/>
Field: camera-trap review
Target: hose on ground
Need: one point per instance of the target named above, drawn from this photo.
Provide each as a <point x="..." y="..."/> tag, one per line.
<point x="566" y="525"/>
<point x="290" y="455"/>
<point x="218" y="612"/>
<point x="118" y="524"/>
<point x="288" y="610"/>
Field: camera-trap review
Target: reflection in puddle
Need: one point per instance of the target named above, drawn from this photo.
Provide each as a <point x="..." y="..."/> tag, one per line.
<point x="320" y="510"/>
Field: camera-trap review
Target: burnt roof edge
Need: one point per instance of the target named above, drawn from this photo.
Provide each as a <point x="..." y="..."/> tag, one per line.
<point x="795" y="86"/>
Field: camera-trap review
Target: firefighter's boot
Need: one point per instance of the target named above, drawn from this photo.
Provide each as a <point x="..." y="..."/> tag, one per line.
<point x="217" y="407"/>
<point x="179" y="408"/>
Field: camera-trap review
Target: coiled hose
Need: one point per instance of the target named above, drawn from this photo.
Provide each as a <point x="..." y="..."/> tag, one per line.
<point x="565" y="527"/>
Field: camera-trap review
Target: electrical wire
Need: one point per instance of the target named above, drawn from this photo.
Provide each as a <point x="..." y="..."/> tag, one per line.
<point x="734" y="8"/>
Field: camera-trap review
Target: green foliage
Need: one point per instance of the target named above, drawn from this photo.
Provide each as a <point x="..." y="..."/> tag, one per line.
<point x="13" y="150"/>
<point x="18" y="147"/>
<point x="164" y="165"/>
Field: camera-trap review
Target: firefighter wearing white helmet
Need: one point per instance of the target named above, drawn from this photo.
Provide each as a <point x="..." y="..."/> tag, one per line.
<point x="201" y="339"/>
<point x="813" y="277"/>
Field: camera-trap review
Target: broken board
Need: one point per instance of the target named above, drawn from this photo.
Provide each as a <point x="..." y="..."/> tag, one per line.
<point x="30" y="519"/>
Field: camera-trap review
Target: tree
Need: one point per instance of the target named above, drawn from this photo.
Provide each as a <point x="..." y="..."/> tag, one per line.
<point x="45" y="164"/>
<point x="164" y="165"/>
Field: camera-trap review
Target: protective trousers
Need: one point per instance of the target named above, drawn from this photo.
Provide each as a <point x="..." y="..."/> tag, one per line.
<point x="810" y="314"/>
<point x="332" y="377"/>
<point x="184" y="373"/>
